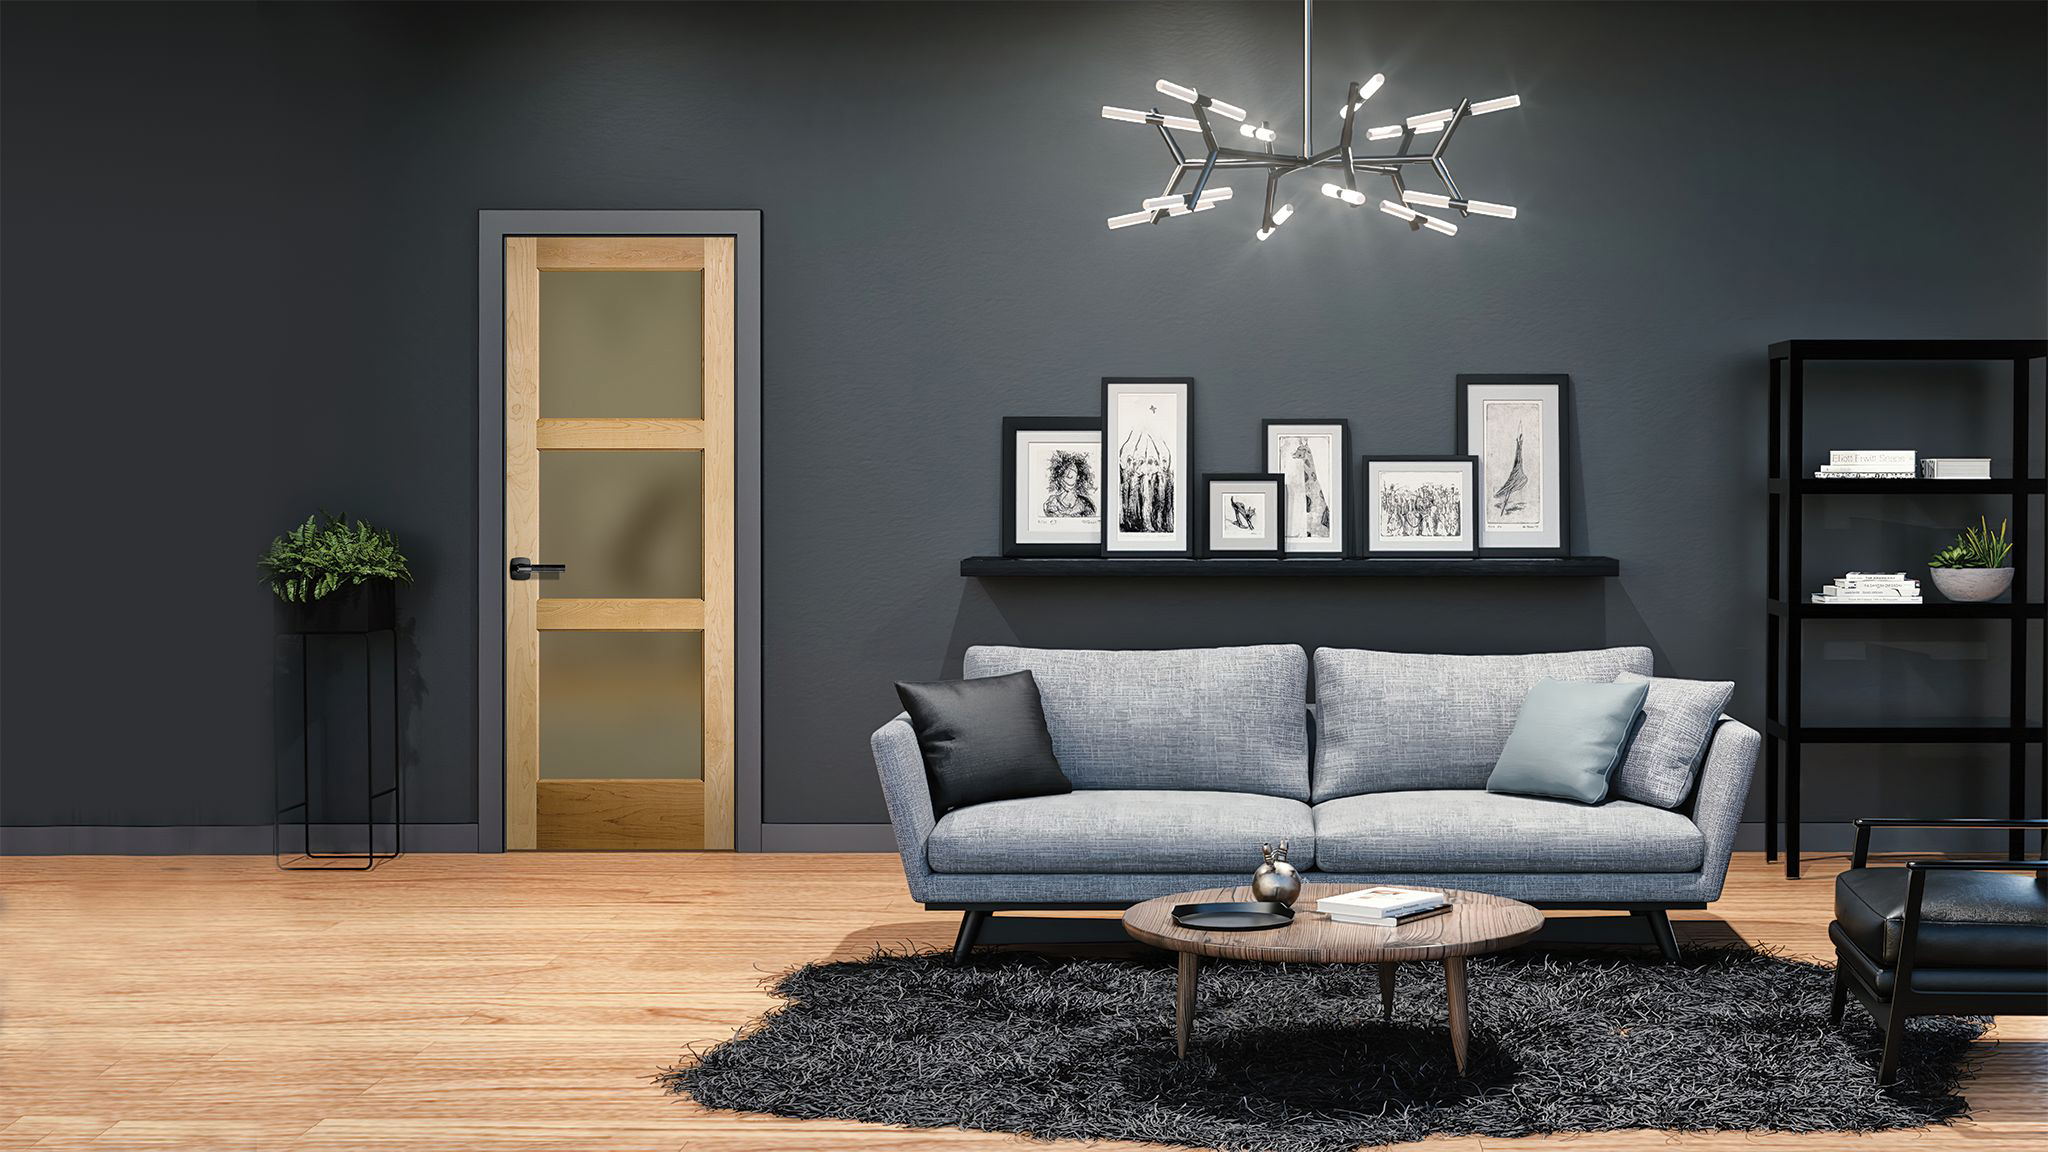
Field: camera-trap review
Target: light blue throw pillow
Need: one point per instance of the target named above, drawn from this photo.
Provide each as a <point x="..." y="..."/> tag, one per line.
<point x="1568" y="739"/>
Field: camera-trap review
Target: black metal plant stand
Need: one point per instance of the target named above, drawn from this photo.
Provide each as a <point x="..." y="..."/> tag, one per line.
<point x="364" y="611"/>
<point x="1788" y="605"/>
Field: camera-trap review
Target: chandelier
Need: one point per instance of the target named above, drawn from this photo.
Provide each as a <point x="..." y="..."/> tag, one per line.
<point x="1343" y="163"/>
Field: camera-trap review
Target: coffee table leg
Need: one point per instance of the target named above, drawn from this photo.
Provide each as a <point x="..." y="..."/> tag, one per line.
<point x="1184" y="1001"/>
<point x="1454" y="982"/>
<point x="1387" y="969"/>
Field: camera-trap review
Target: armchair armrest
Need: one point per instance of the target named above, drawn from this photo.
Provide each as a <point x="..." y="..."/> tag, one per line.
<point x="1725" y="776"/>
<point x="1861" y="858"/>
<point x="901" y="766"/>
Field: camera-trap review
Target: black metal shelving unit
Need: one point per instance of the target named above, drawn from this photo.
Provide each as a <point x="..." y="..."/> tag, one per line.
<point x="1788" y="603"/>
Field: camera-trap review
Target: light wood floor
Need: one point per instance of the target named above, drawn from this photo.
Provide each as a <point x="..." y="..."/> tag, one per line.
<point x="523" y="1001"/>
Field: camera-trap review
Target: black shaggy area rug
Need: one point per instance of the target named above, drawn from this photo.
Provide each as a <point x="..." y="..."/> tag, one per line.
<point x="1294" y="1058"/>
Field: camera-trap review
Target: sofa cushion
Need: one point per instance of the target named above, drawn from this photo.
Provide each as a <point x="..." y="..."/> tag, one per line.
<point x="1967" y="919"/>
<point x="1205" y="719"/>
<point x="1462" y="830"/>
<point x="1121" y="830"/>
<point x="1396" y="721"/>
<point x="1568" y="740"/>
<point x="982" y="739"/>
<point x="1678" y="723"/>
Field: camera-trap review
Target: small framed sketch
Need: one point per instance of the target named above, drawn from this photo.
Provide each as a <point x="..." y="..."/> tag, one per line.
<point x="1418" y="505"/>
<point x="1311" y="454"/>
<point x="1517" y="427"/>
<point x="1242" y="517"/>
<point x="1052" y="486"/>
<point x="1148" y="466"/>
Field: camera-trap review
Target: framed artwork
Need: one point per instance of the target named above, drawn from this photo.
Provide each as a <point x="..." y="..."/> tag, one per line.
<point x="1418" y="505"/>
<point x="1311" y="454"/>
<point x="1242" y="515"/>
<point x="1517" y="427"/>
<point x="1052" y="486"/>
<point x="1148" y="466"/>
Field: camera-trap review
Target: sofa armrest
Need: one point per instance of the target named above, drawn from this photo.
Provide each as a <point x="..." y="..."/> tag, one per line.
<point x="901" y="766"/>
<point x="1723" y="789"/>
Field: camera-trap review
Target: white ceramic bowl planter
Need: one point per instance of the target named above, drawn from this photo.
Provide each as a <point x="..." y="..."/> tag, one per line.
<point x="1972" y="584"/>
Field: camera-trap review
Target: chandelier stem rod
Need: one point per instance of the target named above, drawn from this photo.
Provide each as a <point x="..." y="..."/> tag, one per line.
<point x="1307" y="120"/>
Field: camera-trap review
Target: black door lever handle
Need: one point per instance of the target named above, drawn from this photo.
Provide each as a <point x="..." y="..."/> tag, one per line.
<point x="524" y="569"/>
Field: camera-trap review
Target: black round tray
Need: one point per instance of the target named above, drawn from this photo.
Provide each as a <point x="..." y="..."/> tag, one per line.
<point x="1236" y="916"/>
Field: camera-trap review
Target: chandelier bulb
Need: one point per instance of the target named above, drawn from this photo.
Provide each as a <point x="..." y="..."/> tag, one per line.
<point x="1387" y="132"/>
<point x="1264" y="135"/>
<point x="1281" y="214"/>
<point x="1130" y="218"/>
<point x="1500" y="104"/>
<point x="1398" y="211"/>
<point x="1426" y="199"/>
<point x="1178" y="92"/>
<point x="1371" y="86"/>
<point x="1481" y="207"/>
<point x="1436" y="225"/>
<point x="1437" y="118"/>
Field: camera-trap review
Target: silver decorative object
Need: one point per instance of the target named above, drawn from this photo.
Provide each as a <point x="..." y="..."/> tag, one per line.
<point x="1276" y="880"/>
<point x="1340" y="164"/>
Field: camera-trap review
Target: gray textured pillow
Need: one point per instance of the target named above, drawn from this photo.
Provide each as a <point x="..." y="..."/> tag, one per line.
<point x="1678" y="721"/>
<point x="1568" y="739"/>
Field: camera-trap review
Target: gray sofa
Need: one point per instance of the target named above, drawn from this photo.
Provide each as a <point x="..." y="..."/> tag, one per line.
<point x="1184" y="761"/>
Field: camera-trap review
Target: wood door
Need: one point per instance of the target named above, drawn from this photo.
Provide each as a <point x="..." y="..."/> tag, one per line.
<point x="619" y="443"/>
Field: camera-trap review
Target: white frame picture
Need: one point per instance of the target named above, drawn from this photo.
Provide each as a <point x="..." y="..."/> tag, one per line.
<point x="1519" y="422"/>
<point x="1148" y="466"/>
<point x="1418" y="473"/>
<point x="1313" y="456"/>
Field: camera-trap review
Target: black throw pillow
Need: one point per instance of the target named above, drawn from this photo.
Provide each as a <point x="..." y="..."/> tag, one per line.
<point x="983" y="740"/>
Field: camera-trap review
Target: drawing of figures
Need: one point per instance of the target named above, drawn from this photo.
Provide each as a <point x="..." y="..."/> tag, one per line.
<point x="1242" y="516"/>
<point x="1145" y="463"/>
<point x="1308" y="507"/>
<point x="1420" y="505"/>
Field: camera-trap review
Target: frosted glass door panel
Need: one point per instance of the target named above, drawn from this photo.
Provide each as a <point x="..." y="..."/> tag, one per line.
<point x="622" y="705"/>
<point x="628" y="524"/>
<point x="618" y="344"/>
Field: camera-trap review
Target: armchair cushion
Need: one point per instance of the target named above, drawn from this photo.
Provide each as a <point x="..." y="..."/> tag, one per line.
<point x="1967" y="919"/>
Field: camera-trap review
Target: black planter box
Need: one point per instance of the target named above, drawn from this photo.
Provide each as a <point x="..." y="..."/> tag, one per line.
<point x="371" y="606"/>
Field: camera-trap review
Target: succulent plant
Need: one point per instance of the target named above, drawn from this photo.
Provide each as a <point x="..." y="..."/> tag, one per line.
<point x="1977" y="547"/>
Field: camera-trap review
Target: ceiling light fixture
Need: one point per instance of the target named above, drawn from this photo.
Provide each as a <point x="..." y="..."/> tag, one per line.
<point x="1342" y="160"/>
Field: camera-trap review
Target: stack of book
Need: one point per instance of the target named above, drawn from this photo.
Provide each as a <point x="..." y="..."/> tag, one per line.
<point x="1870" y="588"/>
<point x="1956" y="468"/>
<point x="1879" y="464"/>
<point x="1383" y="906"/>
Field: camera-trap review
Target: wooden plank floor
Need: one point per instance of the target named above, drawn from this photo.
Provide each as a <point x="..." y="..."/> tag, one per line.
<point x="523" y="1001"/>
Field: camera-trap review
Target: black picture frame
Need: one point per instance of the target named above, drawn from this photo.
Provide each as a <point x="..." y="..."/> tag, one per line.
<point x="1012" y="425"/>
<point x="1365" y="507"/>
<point x="1188" y="493"/>
<point x="1562" y="462"/>
<point x="1209" y="481"/>
<point x="1340" y="532"/>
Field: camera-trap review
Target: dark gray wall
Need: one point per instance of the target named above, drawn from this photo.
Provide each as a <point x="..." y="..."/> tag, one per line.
<point x="238" y="285"/>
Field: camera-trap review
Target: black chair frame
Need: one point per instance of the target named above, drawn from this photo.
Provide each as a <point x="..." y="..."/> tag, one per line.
<point x="1891" y="1013"/>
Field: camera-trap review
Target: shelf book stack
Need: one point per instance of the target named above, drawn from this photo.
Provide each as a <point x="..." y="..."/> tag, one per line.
<point x="1956" y="468"/>
<point x="1878" y="464"/>
<point x="1870" y="588"/>
<point x="1383" y="906"/>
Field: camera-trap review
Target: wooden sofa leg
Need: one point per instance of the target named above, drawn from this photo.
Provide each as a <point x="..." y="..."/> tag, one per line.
<point x="1660" y="931"/>
<point x="970" y="927"/>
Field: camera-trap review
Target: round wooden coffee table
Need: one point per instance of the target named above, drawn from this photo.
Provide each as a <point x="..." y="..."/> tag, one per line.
<point x="1476" y="924"/>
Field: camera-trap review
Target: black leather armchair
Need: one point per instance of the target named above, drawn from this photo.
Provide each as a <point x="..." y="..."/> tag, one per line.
<point x="1940" y="937"/>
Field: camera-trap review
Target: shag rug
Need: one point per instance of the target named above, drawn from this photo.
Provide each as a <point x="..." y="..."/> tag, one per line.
<point x="1294" y="1058"/>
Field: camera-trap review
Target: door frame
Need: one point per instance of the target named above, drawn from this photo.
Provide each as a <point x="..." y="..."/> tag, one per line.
<point x="744" y="226"/>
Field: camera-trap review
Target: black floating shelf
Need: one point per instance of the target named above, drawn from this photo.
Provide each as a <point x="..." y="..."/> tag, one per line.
<point x="1300" y="566"/>
<point x="1930" y="610"/>
<point x="1923" y="732"/>
<point x="1908" y="486"/>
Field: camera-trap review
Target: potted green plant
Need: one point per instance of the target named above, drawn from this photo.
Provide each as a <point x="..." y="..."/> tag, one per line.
<point x="333" y="576"/>
<point x="1974" y="567"/>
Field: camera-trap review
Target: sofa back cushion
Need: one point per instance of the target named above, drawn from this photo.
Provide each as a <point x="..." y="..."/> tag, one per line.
<point x="1197" y="719"/>
<point x="1401" y="721"/>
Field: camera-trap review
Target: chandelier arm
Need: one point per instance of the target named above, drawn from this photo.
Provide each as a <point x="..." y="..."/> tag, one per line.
<point x="1351" y="100"/>
<point x="1172" y="145"/>
<point x="1308" y="139"/>
<point x="1457" y="118"/>
<point x="1194" y="196"/>
<point x="1272" y="184"/>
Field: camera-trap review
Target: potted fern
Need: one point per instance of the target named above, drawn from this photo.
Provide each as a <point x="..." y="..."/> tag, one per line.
<point x="1974" y="567"/>
<point x="333" y="576"/>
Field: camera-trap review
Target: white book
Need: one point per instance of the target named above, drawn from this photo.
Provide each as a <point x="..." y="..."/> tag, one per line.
<point x="1824" y="598"/>
<point x="1956" y="468"/>
<point x="1865" y="474"/>
<point x="1873" y="457"/>
<point x="1381" y="902"/>
<point x="1877" y="576"/>
<point x="1388" y="921"/>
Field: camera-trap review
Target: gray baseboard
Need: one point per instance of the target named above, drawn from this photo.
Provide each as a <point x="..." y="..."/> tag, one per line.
<point x="827" y="838"/>
<point x="195" y="840"/>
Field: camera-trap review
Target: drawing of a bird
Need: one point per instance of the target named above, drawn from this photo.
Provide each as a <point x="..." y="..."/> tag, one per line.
<point x="1507" y="497"/>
